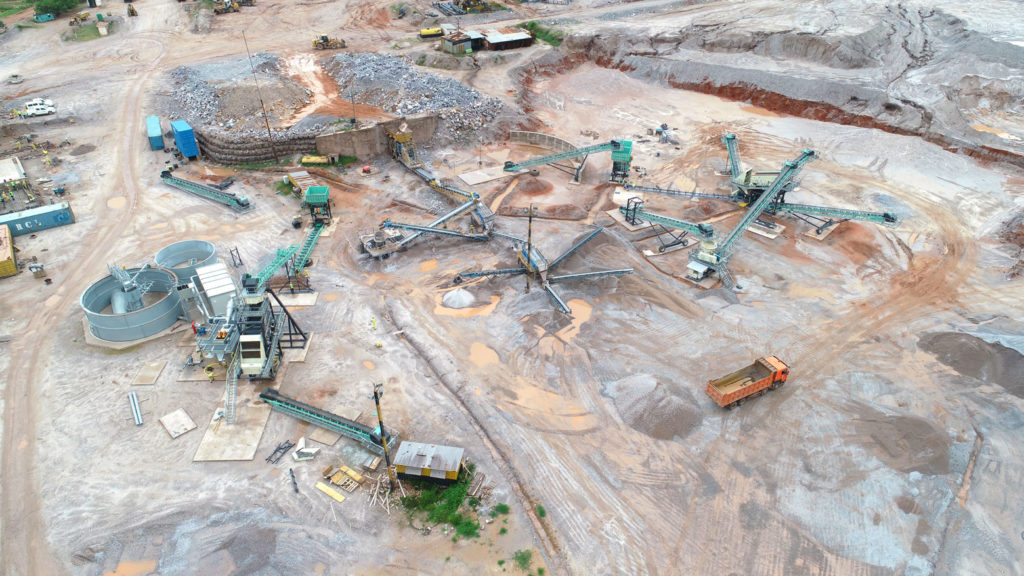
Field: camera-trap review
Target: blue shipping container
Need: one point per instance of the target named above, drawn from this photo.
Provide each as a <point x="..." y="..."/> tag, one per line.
<point x="36" y="219"/>
<point x="156" y="135"/>
<point x="184" y="138"/>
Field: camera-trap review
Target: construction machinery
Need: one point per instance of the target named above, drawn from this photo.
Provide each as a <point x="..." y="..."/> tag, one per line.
<point x="635" y="214"/>
<point x="132" y="12"/>
<point x="250" y="339"/>
<point x="325" y="42"/>
<point x="534" y="265"/>
<point x="768" y="373"/>
<point x="225" y="7"/>
<point x="748" y="186"/>
<point x="431" y="32"/>
<point x="236" y="203"/>
<point x="79" y="18"/>
<point x="394" y="236"/>
<point x="369" y="438"/>
<point x="622" y="157"/>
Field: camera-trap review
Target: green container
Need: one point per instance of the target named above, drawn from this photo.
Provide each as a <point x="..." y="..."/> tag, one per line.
<point x="99" y="17"/>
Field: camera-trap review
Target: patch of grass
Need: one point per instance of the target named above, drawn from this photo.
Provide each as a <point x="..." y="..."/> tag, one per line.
<point x="22" y="26"/>
<point x="501" y="562"/>
<point x="541" y="511"/>
<point x="284" y="188"/>
<point x="500" y="508"/>
<point x="503" y="530"/>
<point x="346" y="160"/>
<point x="421" y="60"/>
<point x="523" y="558"/>
<point x="86" y="32"/>
<point x="442" y="505"/>
<point x="540" y="572"/>
<point x="8" y="7"/>
<point x="552" y="36"/>
<point x="258" y="165"/>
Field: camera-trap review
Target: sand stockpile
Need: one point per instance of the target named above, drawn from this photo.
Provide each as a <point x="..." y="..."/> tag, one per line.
<point x="650" y="407"/>
<point x="458" y="298"/>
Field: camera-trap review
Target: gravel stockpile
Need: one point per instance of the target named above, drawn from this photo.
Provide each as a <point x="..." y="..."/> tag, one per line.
<point x="221" y="98"/>
<point x="394" y="85"/>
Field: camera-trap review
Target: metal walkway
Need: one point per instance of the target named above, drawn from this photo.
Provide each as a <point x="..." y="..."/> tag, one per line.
<point x="634" y="212"/>
<point x="283" y="255"/>
<point x="680" y="193"/>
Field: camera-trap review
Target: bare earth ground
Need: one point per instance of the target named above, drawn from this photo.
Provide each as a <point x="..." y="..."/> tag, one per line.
<point x="894" y="448"/>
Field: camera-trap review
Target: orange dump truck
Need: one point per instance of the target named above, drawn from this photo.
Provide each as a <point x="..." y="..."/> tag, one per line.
<point x="764" y="374"/>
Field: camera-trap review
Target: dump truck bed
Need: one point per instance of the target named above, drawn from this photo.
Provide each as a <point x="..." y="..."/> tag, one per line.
<point x="742" y="377"/>
<point x="764" y="373"/>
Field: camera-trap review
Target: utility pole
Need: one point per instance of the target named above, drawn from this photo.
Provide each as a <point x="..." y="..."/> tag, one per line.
<point x="266" y="118"/>
<point x="529" y="248"/>
<point x="378" y="391"/>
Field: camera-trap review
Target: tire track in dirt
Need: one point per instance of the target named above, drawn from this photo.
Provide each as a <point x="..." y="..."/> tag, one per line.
<point x="25" y="549"/>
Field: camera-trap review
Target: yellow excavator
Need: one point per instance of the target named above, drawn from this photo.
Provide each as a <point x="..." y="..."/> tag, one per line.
<point x="325" y="42"/>
<point x="225" y="7"/>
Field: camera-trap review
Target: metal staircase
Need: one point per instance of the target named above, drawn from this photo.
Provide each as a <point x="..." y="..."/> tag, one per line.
<point x="307" y="247"/>
<point x="236" y="203"/>
<point x="567" y="155"/>
<point x="231" y="387"/>
<point x="842" y="214"/>
<point x="368" y="437"/>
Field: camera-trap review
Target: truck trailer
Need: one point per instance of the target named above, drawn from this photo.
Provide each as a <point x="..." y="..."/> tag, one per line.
<point x="767" y="373"/>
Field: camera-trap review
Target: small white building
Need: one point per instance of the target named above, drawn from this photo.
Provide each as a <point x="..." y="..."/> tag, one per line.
<point x="12" y="173"/>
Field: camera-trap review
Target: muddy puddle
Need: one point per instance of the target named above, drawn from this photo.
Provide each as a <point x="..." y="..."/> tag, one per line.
<point x="973" y="357"/>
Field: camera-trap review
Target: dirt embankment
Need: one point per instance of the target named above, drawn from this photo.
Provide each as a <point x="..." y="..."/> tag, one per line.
<point x="914" y="73"/>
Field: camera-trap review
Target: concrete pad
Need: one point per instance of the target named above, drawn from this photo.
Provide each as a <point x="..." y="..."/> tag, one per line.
<point x="224" y="442"/>
<point x="298" y="299"/>
<point x="620" y="218"/>
<point x="771" y="233"/>
<point x="324" y="436"/>
<point x="177" y="423"/>
<point x="500" y="155"/>
<point x="620" y="196"/>
<point x="149" y="373"/>
<point x="812" y="233"/>
<point x="327" y="231"/>
<point x="298" y="354"/>
<point x="484" y="175"/>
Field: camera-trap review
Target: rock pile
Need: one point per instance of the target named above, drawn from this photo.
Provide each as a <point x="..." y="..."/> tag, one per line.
<point x="394" y="85"/>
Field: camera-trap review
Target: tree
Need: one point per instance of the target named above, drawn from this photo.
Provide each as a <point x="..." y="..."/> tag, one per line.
<point x="54" y="6"/>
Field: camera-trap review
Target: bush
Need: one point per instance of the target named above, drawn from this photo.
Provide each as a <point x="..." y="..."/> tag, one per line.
<point x="523" y="559"/>
<point x="55" y="6"/>
<point x="501" y="508"/>
<point x="549" y="35"/>
<point x="541" y="511"/>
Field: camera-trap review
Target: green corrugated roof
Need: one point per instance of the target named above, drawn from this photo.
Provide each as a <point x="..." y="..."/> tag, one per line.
<point x="317" y="195"/>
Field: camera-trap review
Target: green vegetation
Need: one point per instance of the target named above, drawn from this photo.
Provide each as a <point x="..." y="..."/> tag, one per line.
<point x="552" y="36"/>
<point x="284" y="188"/>
<point x="9" y="7"/>
<point x="421" y="60"/>
<point x="86" y="32"/>
<point x="540" y="572"/>
<point x="442" y="505"/>
<point x="258" y="165"/>
<point x="500" y="508"/>
<point x="523" y="559"/>
<point x="346" y="160"/>
<point x="541" y="511"/>
<point x="54" y="6"/>
<point x="22" y="26"/>
<point x="503" y="530"/>
<point x="501" y="562"/>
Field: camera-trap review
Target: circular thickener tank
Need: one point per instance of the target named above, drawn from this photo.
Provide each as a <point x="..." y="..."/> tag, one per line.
<point x="184" y="257"/>
<point x="161" y="306"/>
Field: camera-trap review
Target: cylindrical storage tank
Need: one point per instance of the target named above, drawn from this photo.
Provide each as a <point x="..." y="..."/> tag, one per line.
<point x="184" y="257"/>
<point x="162" y="306"/>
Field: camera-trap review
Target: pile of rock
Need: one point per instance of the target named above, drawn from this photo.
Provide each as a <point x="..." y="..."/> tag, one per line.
<point x="394" y="85"/>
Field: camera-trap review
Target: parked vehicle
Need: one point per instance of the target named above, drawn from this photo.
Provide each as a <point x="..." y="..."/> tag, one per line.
<point x="39" y="110"/>
<point x="764" y="374"/>
<point x="39" y="102"/>
<point x="43" y="17"/>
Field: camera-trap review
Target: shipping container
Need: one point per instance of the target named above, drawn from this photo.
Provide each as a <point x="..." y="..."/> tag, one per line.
<point x="185" y="139"/>
<point x="8" y="265"/>
<point x="155" y="133"/>
<point x="36" y="219"/>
